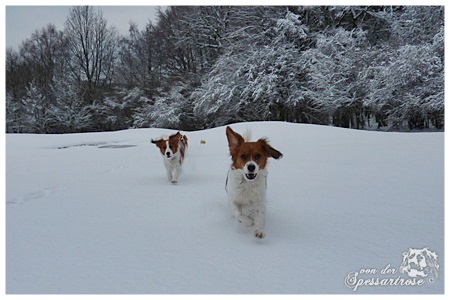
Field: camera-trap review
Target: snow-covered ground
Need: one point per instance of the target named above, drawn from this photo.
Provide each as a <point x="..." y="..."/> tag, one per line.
<point x="94" y="213"/>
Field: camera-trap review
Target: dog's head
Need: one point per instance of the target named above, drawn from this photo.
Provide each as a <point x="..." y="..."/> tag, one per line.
<point x="250" y="157"/>
<point x="168" y="146"/>
<point x="420" y="262"/>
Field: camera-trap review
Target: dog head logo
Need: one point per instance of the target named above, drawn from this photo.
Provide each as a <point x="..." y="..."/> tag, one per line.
<point x="420" y="263"/>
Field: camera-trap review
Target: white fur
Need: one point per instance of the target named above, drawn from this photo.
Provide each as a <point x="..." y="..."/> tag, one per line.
<point x="172" y="162"/>
<point x="247" y="199"/>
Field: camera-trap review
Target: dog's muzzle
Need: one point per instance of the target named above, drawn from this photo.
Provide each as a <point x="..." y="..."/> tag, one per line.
<point x="251" y="174"/>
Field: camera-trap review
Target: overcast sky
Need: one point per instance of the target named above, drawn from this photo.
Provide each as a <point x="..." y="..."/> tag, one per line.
<point x="23" y="21"/>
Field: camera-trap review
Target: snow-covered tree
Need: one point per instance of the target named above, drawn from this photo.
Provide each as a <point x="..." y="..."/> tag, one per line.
<point x="116" y="110"/>
<point x="337" y="75"/>
<point x="211" y="65"/>
<point x="15" y="113"/>
<point x="68" y="112"/>
<point x="415" y="25"/>
<point x="410" y="89"/>
<point x="256" y="81"/>
<point x="170" y="110"/>
<point x="37" y="118"/>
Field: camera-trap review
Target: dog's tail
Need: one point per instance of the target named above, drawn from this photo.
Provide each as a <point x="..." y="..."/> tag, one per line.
<point x="184" y="140"/>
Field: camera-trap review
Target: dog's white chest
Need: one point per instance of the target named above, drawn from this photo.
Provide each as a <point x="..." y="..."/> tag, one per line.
<point x="244" y="192"/>
<point x="172" y="162"/>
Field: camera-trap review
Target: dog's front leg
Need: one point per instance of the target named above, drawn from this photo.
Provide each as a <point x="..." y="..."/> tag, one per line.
<point x="176" y="174"/>
<point x="169" y="173"/>
<point x="260" y="221"/>
<point x="240" y="217"/>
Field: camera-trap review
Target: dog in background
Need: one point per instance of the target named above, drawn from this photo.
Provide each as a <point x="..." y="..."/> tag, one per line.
<point x="173" y="150"/>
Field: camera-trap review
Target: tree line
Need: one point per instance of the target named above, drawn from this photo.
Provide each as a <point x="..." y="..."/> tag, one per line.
<point x="196" y="67"/>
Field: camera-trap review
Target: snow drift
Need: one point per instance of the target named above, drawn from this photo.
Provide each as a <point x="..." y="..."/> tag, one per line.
<point x="94" y="213"/>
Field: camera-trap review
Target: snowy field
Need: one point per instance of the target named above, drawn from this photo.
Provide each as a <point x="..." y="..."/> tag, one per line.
<point x="94" y="213"/>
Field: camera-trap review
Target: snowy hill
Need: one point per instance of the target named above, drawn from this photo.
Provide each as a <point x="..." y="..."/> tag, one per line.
<point x="94" y="213"/>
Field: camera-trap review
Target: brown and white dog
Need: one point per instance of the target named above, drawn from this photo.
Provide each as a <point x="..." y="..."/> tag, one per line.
<point x="173" y="149"/>
<point x="247" y="179"/>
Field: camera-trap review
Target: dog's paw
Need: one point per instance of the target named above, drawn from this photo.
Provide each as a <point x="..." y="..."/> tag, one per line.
<point x="245" y="220"/>
<point x="259" y="234"/>
<point x="174" y="181"/>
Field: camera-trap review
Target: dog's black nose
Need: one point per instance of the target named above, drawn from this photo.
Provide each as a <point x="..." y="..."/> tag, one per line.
<point x="168" y="154"/>
<point x="251" y="167"/>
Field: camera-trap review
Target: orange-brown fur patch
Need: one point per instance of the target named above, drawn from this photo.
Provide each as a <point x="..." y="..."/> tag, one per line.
<point x="161" y="144"/>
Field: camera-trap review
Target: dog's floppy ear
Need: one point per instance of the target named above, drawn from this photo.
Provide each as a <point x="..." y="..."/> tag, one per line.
<point x="275" y="153"/>
<point x="234" y="140"/>
<point x="157" y="142"/>
<point x="271" y="152"/>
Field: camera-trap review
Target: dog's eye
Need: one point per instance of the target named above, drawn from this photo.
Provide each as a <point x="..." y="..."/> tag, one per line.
<point x="257" y="156"/>
<point x="244" y="156"/>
